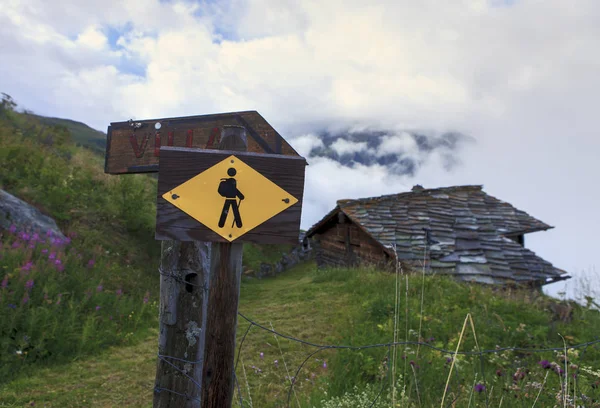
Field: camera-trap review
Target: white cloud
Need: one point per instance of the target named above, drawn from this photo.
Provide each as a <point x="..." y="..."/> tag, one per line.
<point x="402" y="143"/>
<point x="93" y="38"/>
<point x="521" y="78"/>
<point x="305" y="143"/>
<point x="343" y="146"/>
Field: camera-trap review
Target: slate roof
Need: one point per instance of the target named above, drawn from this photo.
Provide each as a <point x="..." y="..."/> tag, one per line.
<point x="468" y="232"/>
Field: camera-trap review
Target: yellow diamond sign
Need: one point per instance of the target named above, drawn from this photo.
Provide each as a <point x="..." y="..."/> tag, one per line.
<point x="230" y="198"/>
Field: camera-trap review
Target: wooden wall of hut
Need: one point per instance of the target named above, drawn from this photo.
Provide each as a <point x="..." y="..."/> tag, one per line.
<point x="342" y="243"/>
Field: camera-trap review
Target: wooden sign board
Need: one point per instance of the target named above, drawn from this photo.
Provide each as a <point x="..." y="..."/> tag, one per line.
<point x="134" y="147"/>
<point x="225" y="196"/>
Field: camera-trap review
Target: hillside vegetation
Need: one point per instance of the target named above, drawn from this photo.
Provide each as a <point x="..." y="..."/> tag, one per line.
<point x="357" y="308"/>
<point x="78" y="317"/>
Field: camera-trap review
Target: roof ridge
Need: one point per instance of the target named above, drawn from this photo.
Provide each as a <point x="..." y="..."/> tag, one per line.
<point x="350" y="201"/>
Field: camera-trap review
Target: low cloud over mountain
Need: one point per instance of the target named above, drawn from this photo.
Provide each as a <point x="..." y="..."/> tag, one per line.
<point x="402" y="152"/>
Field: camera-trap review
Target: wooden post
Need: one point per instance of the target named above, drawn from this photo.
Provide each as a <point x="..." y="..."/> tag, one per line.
<point x="184" y="276"/>
<point x="223" y="297"/>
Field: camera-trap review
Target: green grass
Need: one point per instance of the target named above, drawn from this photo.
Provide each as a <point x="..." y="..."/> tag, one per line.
<point x="355" y="307"/>
<point x="255" y="254"/>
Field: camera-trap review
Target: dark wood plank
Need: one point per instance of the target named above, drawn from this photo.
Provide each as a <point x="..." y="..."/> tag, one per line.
<point x="137" y="150"/>
<point x="181" y="164"/>
<point x="223" y="298"/>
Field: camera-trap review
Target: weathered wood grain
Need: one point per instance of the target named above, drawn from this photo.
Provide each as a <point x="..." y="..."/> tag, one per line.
<point x="223" y="297"/>
<point x="184" y="269"/>
<point x="137" y="150"/>
<point x="178" y="165"/>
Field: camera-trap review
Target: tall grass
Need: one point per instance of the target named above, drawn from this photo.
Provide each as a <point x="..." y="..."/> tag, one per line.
<point x="515" y="377"/>
<point x="55" y="303"/>
<point x="60" y="299"/>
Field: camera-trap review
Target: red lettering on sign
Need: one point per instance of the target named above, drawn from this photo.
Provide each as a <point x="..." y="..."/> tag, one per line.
<point x="190" y="138"/>
<point x="157" y="144"/>
<point x="211" y="139"/>
<point x="138" y="149"/>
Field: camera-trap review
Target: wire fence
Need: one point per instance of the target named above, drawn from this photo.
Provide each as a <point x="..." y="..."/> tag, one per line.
<point x="390" y="361"/>
<point x="319" y="347"/>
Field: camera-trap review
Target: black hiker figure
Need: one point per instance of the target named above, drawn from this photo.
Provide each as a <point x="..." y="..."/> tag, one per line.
<point x="228" y="189"/>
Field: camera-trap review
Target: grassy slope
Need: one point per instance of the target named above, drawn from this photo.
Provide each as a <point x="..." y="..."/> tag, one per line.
<point x="343" y="307"/>
<point x="81" y="133"/>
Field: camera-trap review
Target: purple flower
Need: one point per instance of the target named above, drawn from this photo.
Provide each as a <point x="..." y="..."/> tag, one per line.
<point x="545" y="364"/>
<point x="119" y="292"/>
<point x="13" y="228"/>
<point x="52" y="255"/>
<point x="4" y="282"/>
<point x="59" y="298"/>
<point x="67" y="241"/>
<point x="29" y="284"/>
<point x="97" y="308"/>
<point x="44" y="251"/>
<point x="24" y="236"/>
<point x="35" y="237"/>
<point x="26" y="298"/>
<point x="91" y="263"/>
<point x="15" y="244"/>
<point x="146" y="297"/>
<point x="262" y="355"/>
<point x="276" y="362"/>
<point x="12" y="306"/>
<point x="27" y="266"/>
<point x="49" y="233"/>
<point x="324" y="364"/>
<point x="479" y="387"/>
<point x="99" y="288"/>
<point x="58" y="262"/>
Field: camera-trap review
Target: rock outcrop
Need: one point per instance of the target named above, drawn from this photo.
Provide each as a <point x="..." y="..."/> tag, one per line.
<point x="25" y="217"/>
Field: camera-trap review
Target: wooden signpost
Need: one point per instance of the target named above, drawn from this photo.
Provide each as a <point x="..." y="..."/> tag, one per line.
<point x="209" y="202"/>
<point x="134" y="146"/>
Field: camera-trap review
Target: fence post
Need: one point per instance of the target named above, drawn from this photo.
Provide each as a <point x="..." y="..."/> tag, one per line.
<point x="184" y="271"/>
<point x="223" y="297"/>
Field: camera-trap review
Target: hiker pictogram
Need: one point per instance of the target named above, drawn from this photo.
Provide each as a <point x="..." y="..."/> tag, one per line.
<point x="228" y="189"/>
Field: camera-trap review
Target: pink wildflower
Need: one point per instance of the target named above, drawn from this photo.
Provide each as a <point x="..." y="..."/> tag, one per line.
<point x="29" y="284"/>
<point x="26" y="298"/>
<point x="91" y="263"/>
<point x="99" y="288"/>
<point x="4" y="282"/>
<point x="98" y="308"/>
<point x="13" y="228"/>
<point x="52" y="255"/>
